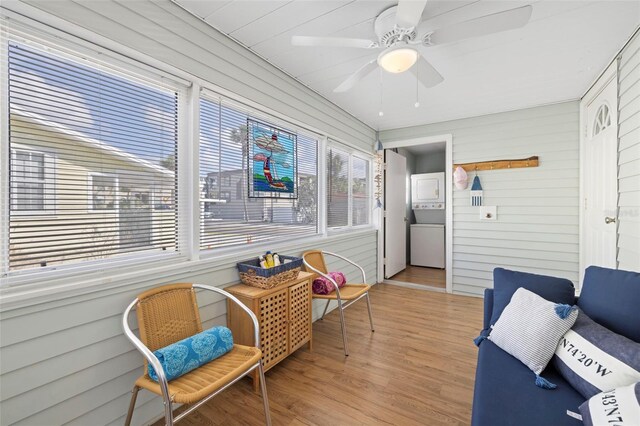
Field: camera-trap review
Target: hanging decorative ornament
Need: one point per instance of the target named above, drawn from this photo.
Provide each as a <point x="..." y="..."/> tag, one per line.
<point x="476" y="192"/>
<point x="378" y="180"/>
<point x="460" y="178"/>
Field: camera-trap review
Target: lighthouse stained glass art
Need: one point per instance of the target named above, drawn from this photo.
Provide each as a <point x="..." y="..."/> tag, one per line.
<point x="272" y="159"/>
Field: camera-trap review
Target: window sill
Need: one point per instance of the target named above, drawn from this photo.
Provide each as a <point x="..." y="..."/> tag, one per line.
<point x="67" y="288"/>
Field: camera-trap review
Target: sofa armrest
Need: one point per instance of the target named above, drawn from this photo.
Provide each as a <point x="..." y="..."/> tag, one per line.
<point x="488" y="307"/>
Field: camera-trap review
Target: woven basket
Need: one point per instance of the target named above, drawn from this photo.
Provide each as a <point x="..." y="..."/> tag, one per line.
<point x="252" y="274"/>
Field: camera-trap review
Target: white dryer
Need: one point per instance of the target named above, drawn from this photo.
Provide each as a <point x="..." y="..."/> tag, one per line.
<point x="427" y="245"/>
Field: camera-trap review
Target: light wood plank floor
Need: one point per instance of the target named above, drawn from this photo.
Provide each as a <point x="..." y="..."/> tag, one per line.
<point x="433" y="277"/>
<point x="418" y="368"/>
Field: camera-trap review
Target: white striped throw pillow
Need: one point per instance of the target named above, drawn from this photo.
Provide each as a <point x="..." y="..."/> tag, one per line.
<point x="530" y="328"/>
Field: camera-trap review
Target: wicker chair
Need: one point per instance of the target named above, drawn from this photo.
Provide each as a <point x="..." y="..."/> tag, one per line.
<point x="168" y="314"/>
<point x="351" y="293"/>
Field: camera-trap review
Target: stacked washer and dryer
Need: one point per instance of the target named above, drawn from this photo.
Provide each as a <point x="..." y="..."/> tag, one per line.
<point x="427" y="234"/>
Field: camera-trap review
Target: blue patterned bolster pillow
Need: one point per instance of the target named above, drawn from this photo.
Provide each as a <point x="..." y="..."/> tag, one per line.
<point x="190" y="353"/>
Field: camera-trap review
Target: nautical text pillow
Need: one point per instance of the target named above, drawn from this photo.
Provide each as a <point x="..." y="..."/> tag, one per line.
<point x="594" y="359"/>
<point x="618" y="407"/>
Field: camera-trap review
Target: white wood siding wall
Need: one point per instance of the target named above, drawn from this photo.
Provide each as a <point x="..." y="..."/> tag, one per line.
<point x="66" y="361"/>
<point x="537" y="226"/>
<point x="629" y="157"/>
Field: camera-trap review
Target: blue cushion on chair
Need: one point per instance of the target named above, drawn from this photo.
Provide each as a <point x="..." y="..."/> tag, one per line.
<point x="190" y="353"/>
<point x="611" y="298"/>
<point x="506" y="282"/>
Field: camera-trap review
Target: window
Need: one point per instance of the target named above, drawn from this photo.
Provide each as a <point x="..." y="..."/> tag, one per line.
<point x="102" y="190"/>
<point x="337" y="188"/>
<point x="602" y="120"/>
<point x="360" y="191"/>
<point x="228" y="216"/>
<point x="31" y="181"/>
<point x="113" y="136"/>
<point x="348" y="189"/>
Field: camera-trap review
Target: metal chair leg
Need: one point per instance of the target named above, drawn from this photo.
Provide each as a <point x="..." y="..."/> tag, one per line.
<point x="325" y="309"/>
<point x="344" y="328"/>
<point x="132" y="405"/>
<point x="265" y="398"/>
<point x="370" y="316"/>
<point x="168" y="412"/>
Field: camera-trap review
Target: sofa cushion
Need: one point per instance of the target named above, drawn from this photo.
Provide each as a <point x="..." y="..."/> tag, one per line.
<point x="505" y="394"/>
<point x="611" y="298"/>
<point x="506" y="282"/>
<point x="530" y="329"/>
<point x="620" y="407"/>
<point x="594" y="359"/>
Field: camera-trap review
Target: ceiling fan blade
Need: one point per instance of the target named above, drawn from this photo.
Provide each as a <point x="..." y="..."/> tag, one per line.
<point x="354" y="78"/>
<point x="333" y="42"/>
<point x="409" y="12"/>
<point x="489" y="24"/>
<point x="426" y="73"/>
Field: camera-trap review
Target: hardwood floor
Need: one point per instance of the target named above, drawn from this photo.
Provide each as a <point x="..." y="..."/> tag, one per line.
<point x="433" y="277"/>
<point x="418" y="368"/>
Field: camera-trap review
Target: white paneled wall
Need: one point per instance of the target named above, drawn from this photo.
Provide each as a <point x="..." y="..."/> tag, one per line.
<point x="65" y="361"/>
<point x="629" y="157"/>
<point x="537" y="226"/>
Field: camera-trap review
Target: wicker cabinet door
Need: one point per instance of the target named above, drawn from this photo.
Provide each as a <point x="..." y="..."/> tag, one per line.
<point x="274" y="337"/>
<point x="299" y="314"/>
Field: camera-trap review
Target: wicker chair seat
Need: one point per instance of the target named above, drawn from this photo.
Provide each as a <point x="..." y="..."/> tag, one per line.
<point x="197" y="384"/>
<point x="348" y="292"/>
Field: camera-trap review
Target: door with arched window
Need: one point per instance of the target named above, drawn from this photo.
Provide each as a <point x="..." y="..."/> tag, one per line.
<point x="599" y="172"/>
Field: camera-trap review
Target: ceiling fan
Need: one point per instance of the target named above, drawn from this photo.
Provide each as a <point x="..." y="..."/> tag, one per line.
<point x="398" y="31"/>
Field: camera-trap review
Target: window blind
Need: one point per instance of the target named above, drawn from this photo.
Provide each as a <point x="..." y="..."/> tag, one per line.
<point x="337" y="187"/>
<point x="228" y="215"/>
<point x="348" y="189"/>
<point x="361" y="191"/>
<point x="93" y="161"/>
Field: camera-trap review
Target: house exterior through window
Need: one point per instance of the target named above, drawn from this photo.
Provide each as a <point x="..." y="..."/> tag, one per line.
<point x="29" y="181"/>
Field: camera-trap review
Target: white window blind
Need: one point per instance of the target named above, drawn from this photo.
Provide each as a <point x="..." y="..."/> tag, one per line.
<point x="228" y="216"/>
<point x="93" y="161"/>
<point x="360" y="190"/>
<point x="348" y="189"/>
<point x="337" y="188"/>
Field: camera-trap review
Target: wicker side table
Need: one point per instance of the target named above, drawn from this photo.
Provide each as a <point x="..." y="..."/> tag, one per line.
<point x="284" y="314"/>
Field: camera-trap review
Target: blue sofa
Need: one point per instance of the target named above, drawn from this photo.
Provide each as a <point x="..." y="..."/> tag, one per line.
<point x="505" y="393"/>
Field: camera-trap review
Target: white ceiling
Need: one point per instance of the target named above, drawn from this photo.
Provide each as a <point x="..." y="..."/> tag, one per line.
<point x="555" y="57"/>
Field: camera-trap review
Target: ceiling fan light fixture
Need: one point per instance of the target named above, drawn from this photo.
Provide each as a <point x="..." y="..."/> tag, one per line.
<point x="397" y="59"/>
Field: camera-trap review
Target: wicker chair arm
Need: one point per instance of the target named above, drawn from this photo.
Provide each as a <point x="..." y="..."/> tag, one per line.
<point x="364" y="277"/>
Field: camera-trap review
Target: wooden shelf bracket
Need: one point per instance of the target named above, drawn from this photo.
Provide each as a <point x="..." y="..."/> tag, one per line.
<point x="499" y="164"/>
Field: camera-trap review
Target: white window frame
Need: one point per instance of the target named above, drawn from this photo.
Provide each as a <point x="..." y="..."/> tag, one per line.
<point x="86" y="53"/>
<point x="213" y="94"/>
<point x="352" y="154"/>
<point x="369" y="159"/>
<point x="116" y="187"/>
<point x="48" y="187"/>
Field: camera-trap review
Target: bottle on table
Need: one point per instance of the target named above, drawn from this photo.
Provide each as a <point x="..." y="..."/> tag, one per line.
<point x="269" y="259"/>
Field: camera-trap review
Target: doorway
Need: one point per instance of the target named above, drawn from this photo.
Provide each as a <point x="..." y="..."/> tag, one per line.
<point x="598" y="172"/>
<point x="424" y="223"/>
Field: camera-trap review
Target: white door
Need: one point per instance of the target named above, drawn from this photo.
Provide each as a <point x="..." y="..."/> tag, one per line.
<point x="599" y="171"/>
<point x="395" y="205"/>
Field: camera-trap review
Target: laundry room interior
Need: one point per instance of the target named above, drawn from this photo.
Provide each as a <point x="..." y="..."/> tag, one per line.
<point x="425" y="216"/>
